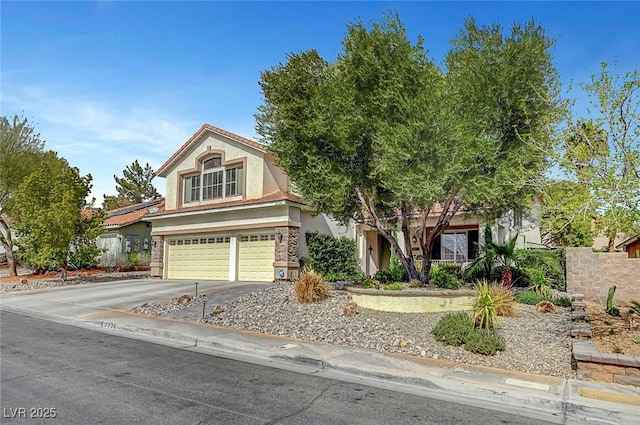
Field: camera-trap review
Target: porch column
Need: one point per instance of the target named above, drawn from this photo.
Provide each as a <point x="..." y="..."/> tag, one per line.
<point x="286" y="265"/>
<point x="157" y="256"/>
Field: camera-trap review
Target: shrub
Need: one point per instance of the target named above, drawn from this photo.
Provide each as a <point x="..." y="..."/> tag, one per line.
<point x="398" y="272"/>
<point x="447" y="276"/>
<point x="453" y="329"/>
<point x="395" y="286"/>
<point x="538" y="281"/>
<point x="383" y="276"/>
<point x="562" y="301"/>
<point x="635" y="307"/>
<point x="489" y="301"/>
<point x="506" y="306"/>
<point x="311" y="287"/>
<point x="553" y="262"/>
<point x="335" y="277"/>
<point x="328" y="254"/>
<point x="481" y="342"/>
<point x="370" y="283"/>
<point x="529" y="298"/>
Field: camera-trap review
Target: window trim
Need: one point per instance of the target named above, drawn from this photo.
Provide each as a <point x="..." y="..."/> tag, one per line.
<point x="223" y="187"/>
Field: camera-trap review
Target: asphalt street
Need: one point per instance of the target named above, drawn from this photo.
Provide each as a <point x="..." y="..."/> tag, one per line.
<point x="83" y="377"/>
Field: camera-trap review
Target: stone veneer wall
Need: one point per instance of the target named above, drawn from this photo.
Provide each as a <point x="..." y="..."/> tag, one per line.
<point x="157" y="256"/>
<point x="287" y="252"/>
<point x="592" y="273"/>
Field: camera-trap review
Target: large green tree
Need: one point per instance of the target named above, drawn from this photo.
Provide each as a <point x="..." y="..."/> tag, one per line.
<point x="47" y="207"/>
<point x="383" y="135"/>
<point x="602" y="151"/>
<point x="135" y="186"/>
<point x="567" y="214"/>
<point x="21" y="150"/>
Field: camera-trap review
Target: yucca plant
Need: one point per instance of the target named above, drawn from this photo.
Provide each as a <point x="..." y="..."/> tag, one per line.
<point x="538" y="279"/>
<point x="488" y="303"/>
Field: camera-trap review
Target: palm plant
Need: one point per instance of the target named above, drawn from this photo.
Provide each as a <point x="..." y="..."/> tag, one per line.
<point x="491" y="253"/>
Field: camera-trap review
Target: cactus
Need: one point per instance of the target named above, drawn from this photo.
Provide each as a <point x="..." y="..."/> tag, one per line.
<point x="610" y="308"/>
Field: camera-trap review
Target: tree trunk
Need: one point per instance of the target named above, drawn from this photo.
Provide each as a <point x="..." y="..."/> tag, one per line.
<point x="406" y="261"/>
<point x="507" y="278"/>
<point x="612" y="246"/>
<point x="7" y="244"/>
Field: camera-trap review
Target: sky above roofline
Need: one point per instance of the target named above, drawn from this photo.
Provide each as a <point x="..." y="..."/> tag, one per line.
<point x="107" y="83"/>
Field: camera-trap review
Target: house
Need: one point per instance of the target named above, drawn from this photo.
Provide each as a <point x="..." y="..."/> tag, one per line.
<point x="230" y="214"/>
<point x="631" y="246"/>
<point x="126" y="232"/>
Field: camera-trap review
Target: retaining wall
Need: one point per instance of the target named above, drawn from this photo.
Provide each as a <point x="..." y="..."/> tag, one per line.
<point x="592" y="273"/>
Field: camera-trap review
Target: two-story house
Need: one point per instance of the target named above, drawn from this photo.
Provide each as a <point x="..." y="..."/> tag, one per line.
<point x="230" y="214"/>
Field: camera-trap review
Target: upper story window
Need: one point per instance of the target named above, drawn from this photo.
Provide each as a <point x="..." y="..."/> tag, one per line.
<point x="215" y="181"/>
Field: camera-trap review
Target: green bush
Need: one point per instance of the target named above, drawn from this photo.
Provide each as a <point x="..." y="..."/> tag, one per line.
<point x="328" y="254"/>
<point x="553" y="262"/>
<point x="453" y="329"/>
<point x="447" y="276"/>
<point x="384" y="276"/>
<point x="370" y="283"/>
<point x="531" y="298"/>
<point x="562" y="301"/>
<point x="395" y="286"/>
<point x="482" y="342"/>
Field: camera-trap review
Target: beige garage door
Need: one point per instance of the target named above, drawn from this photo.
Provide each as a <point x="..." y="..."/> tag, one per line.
<point x="198" y="258"/>
<point x="256" y="254"/>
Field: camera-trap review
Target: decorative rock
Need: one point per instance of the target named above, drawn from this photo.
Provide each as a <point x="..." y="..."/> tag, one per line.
<point x="546" y="307"/>
<point x="350" y="309"/>
<point x="218" y="310"/>
<point x="185" y="299"/>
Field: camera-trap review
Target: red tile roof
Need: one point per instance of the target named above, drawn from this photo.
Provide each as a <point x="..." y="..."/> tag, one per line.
<point x="272" y="197"/>
<point x="132" y="214"/>
<point x="207" y="127"/>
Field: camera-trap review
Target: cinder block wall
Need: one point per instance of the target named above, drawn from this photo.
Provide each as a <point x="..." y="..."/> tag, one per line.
<point x="592" y="273"/>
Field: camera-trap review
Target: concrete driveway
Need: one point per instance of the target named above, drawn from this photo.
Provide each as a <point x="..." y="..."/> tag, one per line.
<point x="81" y="302"/>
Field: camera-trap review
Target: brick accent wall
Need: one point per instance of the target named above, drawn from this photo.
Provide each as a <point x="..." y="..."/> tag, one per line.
<point x="157" y="256"/>
<point x="592" y="273"/>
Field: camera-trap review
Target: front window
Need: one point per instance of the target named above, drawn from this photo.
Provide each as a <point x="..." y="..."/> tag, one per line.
<point x="214" y="182"/>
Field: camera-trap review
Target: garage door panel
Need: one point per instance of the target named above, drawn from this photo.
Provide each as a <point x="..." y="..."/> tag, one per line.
<point x="207" y="260"/>
<point x="256" y="255"/>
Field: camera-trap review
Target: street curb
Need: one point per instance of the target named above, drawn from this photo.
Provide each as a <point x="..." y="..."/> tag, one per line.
<point x="566" y="407"/>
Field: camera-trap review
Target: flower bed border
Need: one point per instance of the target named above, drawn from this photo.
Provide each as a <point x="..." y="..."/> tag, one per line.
<point x="593" y="365"/>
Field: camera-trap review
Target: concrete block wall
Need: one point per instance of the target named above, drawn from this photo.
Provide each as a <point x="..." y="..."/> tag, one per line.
<point x="592" y="273"/>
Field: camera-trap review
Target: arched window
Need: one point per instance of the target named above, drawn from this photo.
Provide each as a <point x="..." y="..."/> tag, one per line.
<point x="215" y="181"/>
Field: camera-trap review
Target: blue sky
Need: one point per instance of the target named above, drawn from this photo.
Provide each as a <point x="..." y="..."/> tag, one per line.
<point x="107" y="83"/>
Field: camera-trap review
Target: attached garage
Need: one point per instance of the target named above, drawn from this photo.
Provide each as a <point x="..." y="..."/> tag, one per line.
<point x="198" y="258"/>
<point x="256" y="255"/>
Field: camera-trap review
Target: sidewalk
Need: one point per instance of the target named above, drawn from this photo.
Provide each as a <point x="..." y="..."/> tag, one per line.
<point x="541" y="397"/>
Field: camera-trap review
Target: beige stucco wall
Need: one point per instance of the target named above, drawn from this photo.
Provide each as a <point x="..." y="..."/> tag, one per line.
<point x="408" y="301"/>
<point x="278" y="214"/>
<point x="260" y="179"/>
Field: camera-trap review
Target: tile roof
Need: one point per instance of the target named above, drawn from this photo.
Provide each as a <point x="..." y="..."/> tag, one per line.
<point x="132" y="214"/>
<point x="272" y="197"/>
<point x="207" y="127"/>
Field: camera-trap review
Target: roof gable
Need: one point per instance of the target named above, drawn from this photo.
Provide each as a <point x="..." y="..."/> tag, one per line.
<point x="194" y="139"/>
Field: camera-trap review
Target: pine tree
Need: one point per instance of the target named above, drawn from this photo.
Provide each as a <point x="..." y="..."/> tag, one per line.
<point x="134" y="187"/>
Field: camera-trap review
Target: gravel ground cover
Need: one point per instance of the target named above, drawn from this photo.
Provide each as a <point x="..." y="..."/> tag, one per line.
<point x="26" y="283"/>
<point x="535" y="342"/>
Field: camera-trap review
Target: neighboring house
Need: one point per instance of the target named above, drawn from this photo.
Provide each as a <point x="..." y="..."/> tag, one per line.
<point x="230" y="214"/>
<point x="631" y="246"/>
<point x="126" y="232"/>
